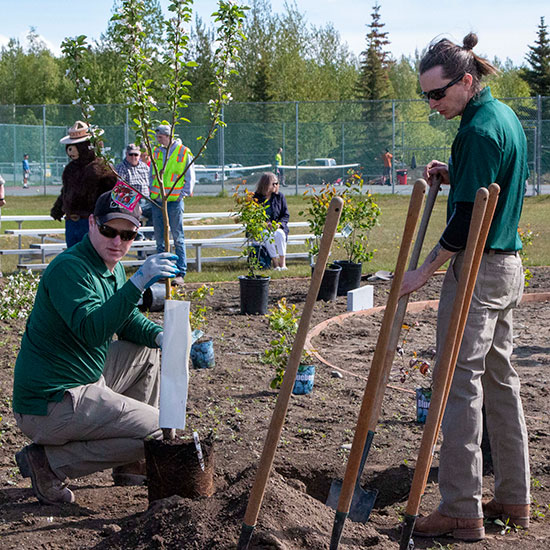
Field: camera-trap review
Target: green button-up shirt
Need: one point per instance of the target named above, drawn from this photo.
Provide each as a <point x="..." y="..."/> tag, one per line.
<point x="490" y="146"/>
<point x="79" y="306"/>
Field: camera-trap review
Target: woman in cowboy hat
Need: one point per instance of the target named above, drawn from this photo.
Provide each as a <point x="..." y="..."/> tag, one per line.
<point x="84" y="179"/>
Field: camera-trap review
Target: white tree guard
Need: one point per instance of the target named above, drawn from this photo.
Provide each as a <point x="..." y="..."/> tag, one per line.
<point x="174" y="374"/>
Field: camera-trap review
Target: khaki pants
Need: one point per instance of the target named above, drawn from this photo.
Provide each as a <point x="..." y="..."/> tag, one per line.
<point x="483" y="375"/>
<point x="102" y="425"/>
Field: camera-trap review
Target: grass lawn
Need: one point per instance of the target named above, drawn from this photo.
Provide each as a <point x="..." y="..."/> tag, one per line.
<point x="385" y="238"/>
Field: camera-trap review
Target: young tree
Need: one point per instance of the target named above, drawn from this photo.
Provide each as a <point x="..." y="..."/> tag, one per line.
<point x="145" y="97"/>
<point x="538" y="76"/>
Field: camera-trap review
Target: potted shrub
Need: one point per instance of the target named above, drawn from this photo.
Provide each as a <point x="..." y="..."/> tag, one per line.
<point x="317" y="214"/>
<point x="408" y="368"/>
<point x="202" y="348"/>
<point x="254" y="288"/>
<point x="359" y="216"/>
<point x="283" y="320"/>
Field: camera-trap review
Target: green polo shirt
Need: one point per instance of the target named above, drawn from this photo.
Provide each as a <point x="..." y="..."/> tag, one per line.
<point x="79" y="306"/>
<point x="490" y="146"/>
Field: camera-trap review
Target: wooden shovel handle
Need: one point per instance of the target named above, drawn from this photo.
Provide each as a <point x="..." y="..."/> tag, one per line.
<point x="281" y="406"/>
<point x="404" y="300"/>
<point x="375" y="382"/>
<point x="494" y="191"/>
<point x="477" y="235"/>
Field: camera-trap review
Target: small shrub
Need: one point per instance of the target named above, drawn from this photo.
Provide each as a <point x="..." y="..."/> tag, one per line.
<point x="18" y="295"/>
<point x="198" y="310"/>
<point x="253" y="215"/>
<point x="527" y="236"/>
<point x="359" y="215"/>
<point x="283" y="319"/>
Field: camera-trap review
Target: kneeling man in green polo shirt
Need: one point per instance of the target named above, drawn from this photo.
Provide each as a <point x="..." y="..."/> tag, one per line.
<point x="85" y="400"/>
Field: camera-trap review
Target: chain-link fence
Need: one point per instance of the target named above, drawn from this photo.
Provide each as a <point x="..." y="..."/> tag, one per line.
<point x="310" y="133"/>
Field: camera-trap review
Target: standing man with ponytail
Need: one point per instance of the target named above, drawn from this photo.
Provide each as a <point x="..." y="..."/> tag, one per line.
<point x="490" y="146"/>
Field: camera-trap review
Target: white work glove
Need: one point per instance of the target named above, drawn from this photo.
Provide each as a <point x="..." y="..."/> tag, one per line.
<point x="158" y="339"/>
<point x="155" y="267"/>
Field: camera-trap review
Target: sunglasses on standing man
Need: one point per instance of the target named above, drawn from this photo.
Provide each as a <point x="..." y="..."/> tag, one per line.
<point x="439" y="93"/>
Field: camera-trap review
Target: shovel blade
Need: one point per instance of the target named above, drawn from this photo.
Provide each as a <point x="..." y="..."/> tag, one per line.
<point x="362" y="501"/>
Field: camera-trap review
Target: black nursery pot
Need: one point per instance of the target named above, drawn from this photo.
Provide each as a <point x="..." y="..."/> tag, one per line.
<point x="350" y="276"/>
<point x="254" y="294"/>
<point x="173" y="468"/>
<point x="153" y="298"/>
<point x="329" y="282"/>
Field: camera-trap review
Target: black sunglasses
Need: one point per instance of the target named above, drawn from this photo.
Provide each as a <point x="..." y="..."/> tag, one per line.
<point x="439" y="93"/>
<point x="133" y="154"/>
<point x="111" y="232"/>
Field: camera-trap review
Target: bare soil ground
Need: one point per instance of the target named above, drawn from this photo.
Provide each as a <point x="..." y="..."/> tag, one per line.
<point x="235" y="402"/>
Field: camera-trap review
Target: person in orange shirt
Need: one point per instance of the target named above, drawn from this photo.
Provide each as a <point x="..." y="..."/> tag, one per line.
<point x="386" y="176"/>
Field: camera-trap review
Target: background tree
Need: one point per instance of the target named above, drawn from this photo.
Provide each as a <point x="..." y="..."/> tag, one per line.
<point x="260" y="89"/>
<point x="201" y="50"/>
<point x="21" y="69"/>
<point x="373" y="87"/>
<point x="538" y="76"/>
<point x="374" y="79"/>
<point x="509" y="81"/>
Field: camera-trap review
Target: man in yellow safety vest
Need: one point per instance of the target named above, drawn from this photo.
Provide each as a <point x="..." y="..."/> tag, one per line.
<point x="178" y="162"/>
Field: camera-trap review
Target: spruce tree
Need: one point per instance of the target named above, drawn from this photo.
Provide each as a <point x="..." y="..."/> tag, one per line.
<point x="374" y="87"/>
<point x="374" y="82"/>
<point x="260" y="88"/>
<point x="538" y="76"/>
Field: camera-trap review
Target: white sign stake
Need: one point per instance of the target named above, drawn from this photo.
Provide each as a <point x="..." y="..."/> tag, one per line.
<point x="199" y="449"/>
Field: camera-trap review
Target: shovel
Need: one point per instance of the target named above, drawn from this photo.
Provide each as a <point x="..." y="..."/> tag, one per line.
<point x="281" y="406"/>
<point x="482" y="216"/>
<point x="362" y="501"/>
<point x="366" y="423"/>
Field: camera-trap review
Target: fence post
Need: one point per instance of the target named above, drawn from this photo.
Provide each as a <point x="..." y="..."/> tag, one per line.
<point x="14" y="147"/>
<point x="283" y="144"/>
<point x="44" y="146"/>
<point x="297" y="171"/>
<point x="343" y="151"/>
<point x="126" y="131"/>
<point x="539" y="143"/>
<point x="535" y="149"/>
<point x="222" y="148"/>
<point x="393" y="174"/>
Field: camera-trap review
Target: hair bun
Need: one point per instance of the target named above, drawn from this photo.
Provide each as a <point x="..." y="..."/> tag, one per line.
<point x="470" y="41"/>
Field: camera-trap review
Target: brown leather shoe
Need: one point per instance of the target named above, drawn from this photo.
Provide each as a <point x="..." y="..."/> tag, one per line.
<point x="437" y="525"/>
<point x="130" y="475"/>
<point x="47" y="487"/>
<point x="514" y="514"/>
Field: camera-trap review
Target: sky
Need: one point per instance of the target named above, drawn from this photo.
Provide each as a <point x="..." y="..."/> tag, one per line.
<point x="505" y="27"/>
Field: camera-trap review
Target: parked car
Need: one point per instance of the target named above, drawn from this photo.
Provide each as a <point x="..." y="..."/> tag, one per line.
<point x="317" y="162"/>
<point x="211" y="173"/>
<point x="232" y="170"/>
